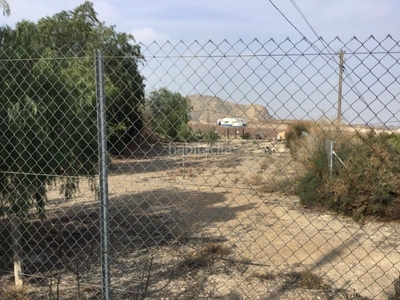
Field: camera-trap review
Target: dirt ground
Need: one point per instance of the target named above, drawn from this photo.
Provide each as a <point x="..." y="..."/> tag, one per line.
<point x="193" y="222"/>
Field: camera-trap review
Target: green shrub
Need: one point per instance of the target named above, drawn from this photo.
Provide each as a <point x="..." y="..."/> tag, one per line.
<point x="184" y="133"/>
<point x="198" y="136"/>
<point x="246" y="136"/>
<point x="170" y="114"/>
<point x="368" y="184"/>
<point x="212" y="136"/>
<point x="394" y="139"/>
<point x="313" y="180"/>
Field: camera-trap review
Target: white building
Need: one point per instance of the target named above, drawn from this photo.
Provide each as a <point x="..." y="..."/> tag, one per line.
<point x="232" y="122"/>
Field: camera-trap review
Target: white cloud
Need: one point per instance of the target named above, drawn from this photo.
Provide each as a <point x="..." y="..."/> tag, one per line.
<point x="108" y="12"/>
<point x="147" y="35"/>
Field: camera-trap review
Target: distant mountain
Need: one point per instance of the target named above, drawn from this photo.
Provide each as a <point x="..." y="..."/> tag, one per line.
<point x="215" y="108"/>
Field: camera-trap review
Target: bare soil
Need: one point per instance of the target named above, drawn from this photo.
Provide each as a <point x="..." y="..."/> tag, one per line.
<point x="206" y="225"/>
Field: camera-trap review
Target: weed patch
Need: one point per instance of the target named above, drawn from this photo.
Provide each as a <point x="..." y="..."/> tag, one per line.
<point x="255" y="179"/>
<point x="307" y="280"/>
<point x="13" y="293"/>
<point x="396" y="295"/>
<point x="361" y="178"/>
<point x="265" y="276"/>
<point x="203" y="258"/>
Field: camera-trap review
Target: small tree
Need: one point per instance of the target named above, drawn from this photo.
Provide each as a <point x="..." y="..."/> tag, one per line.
<point x="170" y="113"/>
<point x="48" y="121"/>
<point x="212" y="136"/>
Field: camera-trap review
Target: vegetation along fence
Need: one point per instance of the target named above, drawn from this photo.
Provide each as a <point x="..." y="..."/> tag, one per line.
<point x="121" y="179"/>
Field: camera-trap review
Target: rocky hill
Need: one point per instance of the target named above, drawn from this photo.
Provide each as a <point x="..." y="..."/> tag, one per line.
<point x="215" y="108"/>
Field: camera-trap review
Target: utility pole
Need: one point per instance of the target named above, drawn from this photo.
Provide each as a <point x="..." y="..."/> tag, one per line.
<point x="208" y="118"/>
<point x="339" y="105"/>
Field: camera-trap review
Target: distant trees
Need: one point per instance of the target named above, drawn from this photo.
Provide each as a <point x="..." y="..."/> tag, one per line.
<point x="48" y="122"/>
<point x="170" y="114"/>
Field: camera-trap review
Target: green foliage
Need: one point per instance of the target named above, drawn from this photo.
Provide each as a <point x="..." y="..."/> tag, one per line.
<point x="198" y="136"/>
<point x="48" y="121"/>
<point x="367" y="185"/>
<point x="170" y="114"/>
<point x="394" y="139"/>
<point x="46" y="126"/>
<point x="185" y="133"/>
<point x="70" y="36"/>
<point x="212" y="136"/>
<point x="246" y="136"/>
<point x="310" y="183"/>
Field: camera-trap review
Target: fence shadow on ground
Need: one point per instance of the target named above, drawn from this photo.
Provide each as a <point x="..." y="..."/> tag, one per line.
<point x="67" y="243"/>
<point x="133" y="166"/>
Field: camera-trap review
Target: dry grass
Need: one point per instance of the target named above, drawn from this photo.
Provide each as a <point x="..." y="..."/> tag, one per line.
<point x="302" y="147"/>
<point x="307" y="280"/>
<point x="184" y="172"/>
<point x="215" y="249"/>
<point x="235" y="179"/>
<point x="229" y="163"/>
<point x="287" y="185"/>
<point x="254" y="180"/>
<point x="190" y="270"/>
<point x="266" y="162"/>
<point x="8" y="292"/>
<point x="264" y="276"/>
<point x="396" y="295"/>
<point x="204" y="257"/>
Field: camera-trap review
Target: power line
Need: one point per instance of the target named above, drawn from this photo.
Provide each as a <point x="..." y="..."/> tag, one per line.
<point x="298" y="30"/>
<point x="283" y="15"/>
<point x="360" y="95"/>
<point x="353" y="85"/>
<point x="304" y="17"/>
<point x="311" y="44"/>
<point x="306" y="39"/>
<point x="326" y="45"/>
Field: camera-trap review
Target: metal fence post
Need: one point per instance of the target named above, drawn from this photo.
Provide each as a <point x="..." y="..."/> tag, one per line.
<point x="103" y="175"/>
<point x="330" y="156"/>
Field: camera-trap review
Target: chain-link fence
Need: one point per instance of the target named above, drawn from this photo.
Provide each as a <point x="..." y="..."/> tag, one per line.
<point x="255" y="169"/>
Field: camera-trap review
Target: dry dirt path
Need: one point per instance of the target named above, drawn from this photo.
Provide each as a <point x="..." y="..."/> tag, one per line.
<point x="272" y="244"/>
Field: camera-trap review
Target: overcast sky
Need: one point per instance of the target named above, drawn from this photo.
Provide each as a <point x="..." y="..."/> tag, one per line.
<point x="202" y="20"/>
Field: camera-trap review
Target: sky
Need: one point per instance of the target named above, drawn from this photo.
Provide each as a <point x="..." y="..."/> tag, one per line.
<point x="229" y="19"/>
<point x="279" y="84"/>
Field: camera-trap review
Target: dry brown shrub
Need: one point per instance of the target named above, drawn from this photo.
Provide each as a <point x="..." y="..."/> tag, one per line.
<point x="396" y="295"/>
<point x="255" y="179"/>
<point x="364" y="180"/>
<point x="286" y="185"/>
<point x="8" y="292"/>
<point x="203" y="257"/>
<point x="307" y="280"/>
<point x="266" y="162"/>
<point x="215" y="249"/>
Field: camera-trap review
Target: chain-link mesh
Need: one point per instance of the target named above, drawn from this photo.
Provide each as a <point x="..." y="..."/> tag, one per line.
<point x="231" y="171"/>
